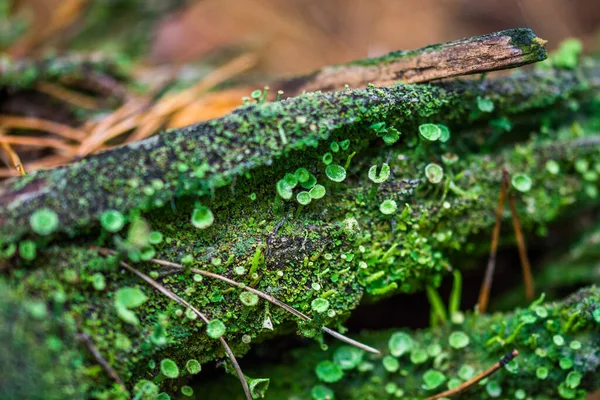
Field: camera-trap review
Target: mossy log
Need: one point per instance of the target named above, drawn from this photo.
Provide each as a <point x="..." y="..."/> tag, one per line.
<point x="211" y="196"/>
<point x="558" y="345"/>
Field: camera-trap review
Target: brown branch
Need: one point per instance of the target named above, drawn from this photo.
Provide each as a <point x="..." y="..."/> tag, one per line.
<point x="525" y="265"/>
<point x="502" y="50"/>
<point x="484" y="293"/>
<point x="503" y="361"/>
<point x="87" y="340"/>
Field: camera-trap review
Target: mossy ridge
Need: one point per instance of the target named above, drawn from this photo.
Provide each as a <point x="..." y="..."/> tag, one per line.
<point x="311" y="247"/>
<point x="533" y="331"/>
<point x="201" y="158"/>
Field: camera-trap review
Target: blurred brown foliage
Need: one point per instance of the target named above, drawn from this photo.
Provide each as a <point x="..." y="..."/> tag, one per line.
<point x="296" y="36"/>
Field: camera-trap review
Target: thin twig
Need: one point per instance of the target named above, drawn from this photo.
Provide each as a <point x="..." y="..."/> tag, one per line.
<point x="13" y="158"/>
<point x="503" y="361"/>
<point x="203" y="317"/>
<point x="68" y="96"/>
<point x="65" y="131"/>
<point x="260" y="294"/>
<point x="525" y="265"/>
<point x="87" y="340"/>
<point x="37" y="142"/>
<point x="484" y="293"/>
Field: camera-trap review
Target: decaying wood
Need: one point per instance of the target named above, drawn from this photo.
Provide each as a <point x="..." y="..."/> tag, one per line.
<point x="502" y="50"/>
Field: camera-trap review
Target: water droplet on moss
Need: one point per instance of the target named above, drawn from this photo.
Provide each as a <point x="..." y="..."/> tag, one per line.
<point x="44" y="221"/>
<point x="249" y="299"/>
<point x="521" y="182"/>
<point x="215" y="329"/>
<point x="383" y="175"/>
<point x="430" y="132"/>
<point x="320" y="305"/>
<point x="388" y="207"/>
<point x="317" y="192"/>
<point x="434" y="173"/>
<point x="328" y="372"/>
<point x="458" y="340"/>
<point x="169" y="368"/>
<point x="348" y="357"/>
<point x="335" y="172"/>
<point x="112" y="220"/>
<point x="400" y="343"/>
<point x="433" y="379"/>
<point x="304" y="198"/>
<point x="202" y="217"/>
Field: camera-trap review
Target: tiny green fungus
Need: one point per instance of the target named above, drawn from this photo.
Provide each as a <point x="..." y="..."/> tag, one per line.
<point x="433" y="379"/>
<point x="573" y="380"/>
<point x="44" y="221"/>
<point x="320" y="305"/>
<point x="320" y="392"/>
<point x="155" y="237"/>
<point x="215" y="329"/>
<point x="430" y="132"/>
<point x="558" y="340"/>
<point x="388" y="207"/>
<point x="202" y="217"/>
<point x="310" y="183"/>
<point x="334" y="146"/>
<point x="112" y="220"/>
<point x="383" y="174"/>
<point x="348" y="357"/>
<point x="304" y="198"/>
<point x="291" y="180"/>
<point x="418" y="356"/>
<point x="445" y="135"/>
<point x="249" y="299"/>
<point x="258" y="387"/>
<point x="434" y="173"/>
<point x="130" y="297"/>
<point x="400" y="343"/>
<point x="317" y="192"/>
<point x="335" y="172"/>
<point x="390" y="364"/>
<point x="466" y="372"/>
<point x="521" y="182"/>
<point x="193" y="366"/>
<point x="345" y="144"/>
<point x="169" y="368"/>
<point x="284" y="190"/>
<point x="542" y="373"/>
<point x="302" y="175"/>
<point x="552" y="167"/>
<point x="485" y="105"/>
<point x="28" y="250"/>
<point x="329" y="372"/>
<point x="493" y="389"/>
<point x="327" y="158"/>
<point x="458" y="340"/>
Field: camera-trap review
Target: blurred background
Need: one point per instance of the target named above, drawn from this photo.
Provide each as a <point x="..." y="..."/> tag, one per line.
<point x="289" y="36"/>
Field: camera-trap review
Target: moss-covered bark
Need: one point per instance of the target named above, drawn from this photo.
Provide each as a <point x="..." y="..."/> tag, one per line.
<point x="558" y="344"/>
<point x="150" y="199"/>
